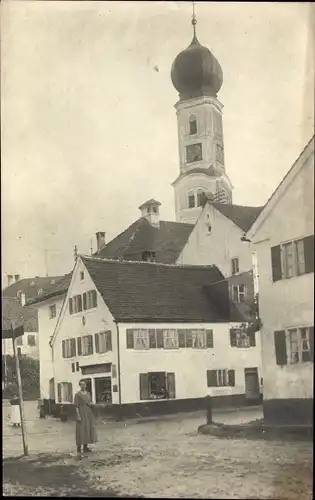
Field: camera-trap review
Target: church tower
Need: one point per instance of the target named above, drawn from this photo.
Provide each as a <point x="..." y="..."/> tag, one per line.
<point x="197" y="76"/>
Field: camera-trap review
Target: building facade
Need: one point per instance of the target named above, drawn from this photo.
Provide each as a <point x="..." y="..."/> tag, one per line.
<point x="169" y="348"/>
<point x="283" y="237"/>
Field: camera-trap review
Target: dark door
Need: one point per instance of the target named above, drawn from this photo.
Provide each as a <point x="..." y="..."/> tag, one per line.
<point x="251" y="383"/>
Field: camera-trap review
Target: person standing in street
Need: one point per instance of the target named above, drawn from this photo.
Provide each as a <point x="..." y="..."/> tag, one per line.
<point x="15" y="411"/>
<point x="85" y="425"/>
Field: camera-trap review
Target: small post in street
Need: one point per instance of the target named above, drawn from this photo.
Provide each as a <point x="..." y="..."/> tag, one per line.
<point x="19" y="383"/>
<point x="209" y="409"/>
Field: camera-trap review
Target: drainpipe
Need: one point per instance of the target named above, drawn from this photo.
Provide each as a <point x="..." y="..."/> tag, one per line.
<point x="118" y="370"/>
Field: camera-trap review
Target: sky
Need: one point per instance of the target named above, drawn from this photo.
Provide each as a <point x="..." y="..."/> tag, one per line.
<point x="89" y="127"/>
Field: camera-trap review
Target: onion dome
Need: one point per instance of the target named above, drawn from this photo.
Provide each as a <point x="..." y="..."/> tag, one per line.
<point x="195" y="71"/>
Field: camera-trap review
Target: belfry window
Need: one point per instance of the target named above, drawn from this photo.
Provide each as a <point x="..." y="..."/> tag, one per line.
<point x="192" y="125"/>
<point x="200" y="195"/>
<point x="191" y="199"/>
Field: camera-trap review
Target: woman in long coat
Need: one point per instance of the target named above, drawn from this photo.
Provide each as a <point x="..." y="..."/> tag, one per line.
<point x="85" y="426"/>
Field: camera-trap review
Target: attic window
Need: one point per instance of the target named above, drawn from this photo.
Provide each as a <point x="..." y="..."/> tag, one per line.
<point x="81" y="275"/>
<point x="53" y="282"/>
<point x="154" y="210"/>
<point x="40" y="291"/>
<point x="148" y="256"/>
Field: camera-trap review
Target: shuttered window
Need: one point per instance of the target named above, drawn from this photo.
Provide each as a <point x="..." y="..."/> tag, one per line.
<point x="309" y="253"/>
<point x="159" y="339"/>
<point x="68" y="348"/>
<point x="59" y="393"/>
<point x="212" y="378"/>
<point x="152" y="338"/>
<point x="233" y="335"/>
<point x="280" y="347"/>
<point x="181" y="338"/>
<point x="79" y="345"/>
<point x="70" y="306"/>
<point x="84" y="302"/>
<point x="293" y="258"/>
<point x="63" y="344"/>
<point x="97" y="342"/>
<point x="209" y="336"/>
<point x="231" y="378"/>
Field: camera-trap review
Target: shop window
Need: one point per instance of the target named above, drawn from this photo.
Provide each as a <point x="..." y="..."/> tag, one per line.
<point x="103" y="390"/>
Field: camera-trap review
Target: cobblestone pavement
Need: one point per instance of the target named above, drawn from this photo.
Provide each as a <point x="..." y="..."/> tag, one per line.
<point x="164" y="458"/>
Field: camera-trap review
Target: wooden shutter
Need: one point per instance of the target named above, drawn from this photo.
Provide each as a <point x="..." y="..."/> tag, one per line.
<point x="130" y="338"/>
<point x="252" y="339"/>
<point x="79" y="303"/>
<point x="90" y="344"/>
<point x="70" y="306"/>
<point x="70" y="393"/>
<point x="181" y="338"/>
<point x="159" y="338"/>
<point x="309" y="253"/>
<point x="189" y="339"/>
<point x="97" y="342"/>
<point x="144" y="386"/>
<point x="84" y="302"/>
<point x="152" y="338"/>
<point x="59" y="392"/>
<point x="311" y="339"/>
<point x="231" y="378"/>
<point x="171" y="385"/>
<point x="73" y="347"/>
<point x="233" y="341"/>
<point x="79" y="342"/>
<point x="280" y="348"/>
<point x="276" y="263"/>
<point x="63" y="348"/>
<point x="212" y="378"/>
<point x="209" y="338"/>
<point x="94" y="298"/>
<point x="108" y="334"/>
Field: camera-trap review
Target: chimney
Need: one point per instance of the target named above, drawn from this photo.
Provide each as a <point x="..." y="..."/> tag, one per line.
<point x="100" y="240"/>
<point x="23" y="299"/>
<point x="150" y="211"/>
<point x="10" y="279"/>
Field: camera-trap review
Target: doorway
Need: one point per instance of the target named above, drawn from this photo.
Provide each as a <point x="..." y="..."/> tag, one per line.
<point x="252" y="390"/>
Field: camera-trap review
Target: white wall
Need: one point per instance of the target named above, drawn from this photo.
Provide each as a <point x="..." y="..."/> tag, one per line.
<point x="31" y="351"/>
<point x="288" y="302"/>
<point x="46" y="326"/>
<point x="97" y="320"/>
<point x="218" y="246"/>
<point x="189" y="365"/>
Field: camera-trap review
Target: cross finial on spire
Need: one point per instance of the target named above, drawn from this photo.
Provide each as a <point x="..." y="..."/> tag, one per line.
<point x="194" y="19"/>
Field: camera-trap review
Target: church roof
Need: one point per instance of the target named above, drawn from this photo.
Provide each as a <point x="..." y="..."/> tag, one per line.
<point x="242" y="216"/>
<point x="166" y="241"/>
<point x="176" y="293"/>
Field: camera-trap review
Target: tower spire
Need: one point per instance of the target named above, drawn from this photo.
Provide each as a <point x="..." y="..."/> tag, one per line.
<point x="194" y="21"/>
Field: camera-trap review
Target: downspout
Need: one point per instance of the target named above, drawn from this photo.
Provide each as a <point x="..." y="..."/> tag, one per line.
<point x="118" y="370"/>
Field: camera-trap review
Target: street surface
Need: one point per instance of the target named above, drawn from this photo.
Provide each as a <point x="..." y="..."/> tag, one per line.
<point x="165" y="458"/>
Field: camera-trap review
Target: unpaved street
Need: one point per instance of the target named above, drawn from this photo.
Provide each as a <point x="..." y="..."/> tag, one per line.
<point x="164" y="458"/>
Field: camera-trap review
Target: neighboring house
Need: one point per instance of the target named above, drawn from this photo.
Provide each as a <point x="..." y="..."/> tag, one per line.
<point x="14" y="313"/>
<point x="283" y="237"/>
<point x="152" y="337"/>
<point x="26" y="289"/>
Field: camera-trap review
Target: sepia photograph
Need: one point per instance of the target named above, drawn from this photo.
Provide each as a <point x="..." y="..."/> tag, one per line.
<point x="157" y="214"/>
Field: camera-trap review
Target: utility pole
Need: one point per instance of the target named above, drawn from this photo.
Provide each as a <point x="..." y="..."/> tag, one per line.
<point x="19" y="383"/>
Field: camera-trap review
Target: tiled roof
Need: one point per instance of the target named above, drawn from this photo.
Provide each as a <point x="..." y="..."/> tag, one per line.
<point x="29" y="286"/>
<point x="12" y="311"/>
<point x="60" y="287"/>
<point x="167" y="241"/>
<point x="141" y="291"/>
<point x="241" y="215"/>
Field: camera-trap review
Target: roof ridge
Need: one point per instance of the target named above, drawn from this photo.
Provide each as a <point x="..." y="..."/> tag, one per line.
<point x="144" y="263"/>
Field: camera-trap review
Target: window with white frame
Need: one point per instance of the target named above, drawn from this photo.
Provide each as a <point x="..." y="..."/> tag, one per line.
<point x="293" y="259"/>
<point x="221" y="378"/>
<point x="68" y="348"/>
<point x="52" y="311"/>
<point x="170" y="338"/>
<point x="105" y="341"/>
<point x="87" y="345"/>
<point x="141" y="339"/>
<point x="299" y="345"/>
<point x="239" y="338"/>
<point x="238" y="293"/>
<point x="91" y="299"/>
<point x="65" y="394"/>
<point x="198" y="339"/>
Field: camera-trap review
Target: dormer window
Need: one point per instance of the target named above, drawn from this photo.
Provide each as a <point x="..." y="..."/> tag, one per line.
<point x="148" y="256"/>
<point x="191" y="199"/>
<point x="192" y="125"/>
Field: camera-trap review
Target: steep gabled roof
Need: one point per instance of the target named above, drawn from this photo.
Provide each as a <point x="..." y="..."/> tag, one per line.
<point x="59" y="288"/>
<point x="167" y="241"/>
<point x="282" y="187"/>
<point x="12" y="311"/>
<point x="242" y="216"/>
<point x="141" y="291"/>
<point x="29" y="286"/>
